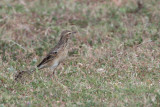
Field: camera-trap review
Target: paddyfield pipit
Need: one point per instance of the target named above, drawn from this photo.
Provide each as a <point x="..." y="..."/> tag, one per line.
<point x="54" y="57"/>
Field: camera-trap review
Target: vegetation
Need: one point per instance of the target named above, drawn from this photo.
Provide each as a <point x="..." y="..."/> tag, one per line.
<point x="114" y="60"/>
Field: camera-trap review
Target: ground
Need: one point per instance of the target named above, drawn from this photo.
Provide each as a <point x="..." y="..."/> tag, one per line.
<point x="114" y="58"/>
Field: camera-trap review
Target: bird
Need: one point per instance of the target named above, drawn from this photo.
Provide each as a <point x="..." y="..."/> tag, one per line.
<point x="54" y="57"/>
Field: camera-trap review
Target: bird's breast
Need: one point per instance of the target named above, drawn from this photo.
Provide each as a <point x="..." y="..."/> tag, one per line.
<point x="63" y="54"/>
<point x="55" y="64"/>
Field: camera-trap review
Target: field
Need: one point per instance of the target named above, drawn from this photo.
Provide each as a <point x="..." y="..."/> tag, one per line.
<point x="114" y="59"/>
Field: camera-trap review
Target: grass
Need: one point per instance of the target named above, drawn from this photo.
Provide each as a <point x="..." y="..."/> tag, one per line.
<point x="114" y="60"/>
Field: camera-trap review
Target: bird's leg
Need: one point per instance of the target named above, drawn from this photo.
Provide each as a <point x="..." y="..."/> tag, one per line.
<point x="55" y="72"/>
<point x="54" y="75"/>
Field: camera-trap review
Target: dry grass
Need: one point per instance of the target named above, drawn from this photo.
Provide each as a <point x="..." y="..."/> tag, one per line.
<point x="114" y="61"/>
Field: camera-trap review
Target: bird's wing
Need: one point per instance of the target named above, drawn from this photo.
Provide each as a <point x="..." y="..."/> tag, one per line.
<point x="50" y="56"/>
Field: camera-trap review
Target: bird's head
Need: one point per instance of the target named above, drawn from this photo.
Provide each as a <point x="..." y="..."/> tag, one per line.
<point x="65" y="35"/>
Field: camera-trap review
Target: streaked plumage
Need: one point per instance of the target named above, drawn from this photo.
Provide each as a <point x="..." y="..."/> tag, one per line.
<point x="55" y="56"/>
<point x="58" y="53"/>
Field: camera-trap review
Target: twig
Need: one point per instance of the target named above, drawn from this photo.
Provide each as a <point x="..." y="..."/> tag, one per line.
<point x="16" y="44"/>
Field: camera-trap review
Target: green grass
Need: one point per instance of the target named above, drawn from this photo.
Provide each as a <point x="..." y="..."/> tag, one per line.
<point x="114" y="60"/>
